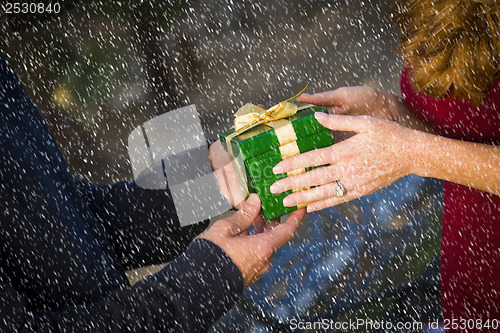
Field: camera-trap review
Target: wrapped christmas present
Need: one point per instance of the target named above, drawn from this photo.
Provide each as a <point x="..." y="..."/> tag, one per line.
<point x="262" y="138"/>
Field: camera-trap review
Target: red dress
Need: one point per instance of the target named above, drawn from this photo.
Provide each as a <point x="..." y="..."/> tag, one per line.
<point x="470" y="242"/>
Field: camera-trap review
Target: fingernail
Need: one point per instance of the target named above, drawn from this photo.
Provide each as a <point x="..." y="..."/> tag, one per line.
<point x="253" y="199"/>
<point x="275" y="188"/>
<point x="310" y="208"/>
<point x="320" y="115"/>
<point x="277" y="170"/>
<point x="288" y="202"/>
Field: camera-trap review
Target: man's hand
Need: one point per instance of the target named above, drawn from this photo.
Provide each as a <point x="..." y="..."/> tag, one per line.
<point x="252" y="252"/>
<point x="227" y="180"/>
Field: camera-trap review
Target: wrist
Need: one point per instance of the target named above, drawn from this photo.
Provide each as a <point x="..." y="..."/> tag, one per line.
<point x="390" y="105"/>
<point x="397" y="111"/>
<point x="417" y="147"/>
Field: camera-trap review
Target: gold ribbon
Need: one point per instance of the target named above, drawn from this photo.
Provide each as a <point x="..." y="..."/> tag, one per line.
<point x="250" y="116"/>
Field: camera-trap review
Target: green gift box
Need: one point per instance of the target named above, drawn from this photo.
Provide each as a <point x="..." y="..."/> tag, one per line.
<point x="259" y="149"/>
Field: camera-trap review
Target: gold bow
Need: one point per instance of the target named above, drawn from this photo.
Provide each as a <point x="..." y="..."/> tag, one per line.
<point x="250" y="116"/>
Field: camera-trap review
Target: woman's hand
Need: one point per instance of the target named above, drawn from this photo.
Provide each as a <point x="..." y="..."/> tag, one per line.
<point x="360" y="101"/>
<point x="354" y="101"/>
<point x="377" y="156"/>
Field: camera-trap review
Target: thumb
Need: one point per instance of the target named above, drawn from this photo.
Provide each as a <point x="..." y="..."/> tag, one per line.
<point x="344" y="123"/>
<point x="281" y="234"/>
<point x="242" y="219"/>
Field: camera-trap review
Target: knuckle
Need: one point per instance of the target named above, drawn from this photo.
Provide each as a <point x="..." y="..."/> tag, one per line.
<point x="223" y="224"/>
<point x="299" y="196"/>
<point x="246" y="212"/>
<point x="305" y="195"/>
<point x="342" y="91"/>
<point x="289" y="231"/>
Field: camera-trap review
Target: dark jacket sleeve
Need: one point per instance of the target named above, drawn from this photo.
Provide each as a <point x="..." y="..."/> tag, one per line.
<point x="188" y="295"/>
<point x="141" y="224"/>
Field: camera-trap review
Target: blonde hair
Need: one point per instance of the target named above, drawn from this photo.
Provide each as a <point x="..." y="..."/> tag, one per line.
<point x="450" y="45"/>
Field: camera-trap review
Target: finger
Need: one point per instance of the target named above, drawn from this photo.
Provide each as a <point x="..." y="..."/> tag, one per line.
<point x="271" y="224"/>
<point x="352" y="192"/>
<point x="236" y="191"/>
<point x="315" y="194"/>
<point x="311" y="158"/>
<point x="218" y="154"/>
<point x="258" y="225"/>
<point x="344" y="123"/>
<point x="242" y="219"/>
<point x="318" y="157"/>
<point x="220" y="178"/>
<point x="284" y="232"/>
<point x="333" y="201"/>
<point x="327" y="98"/>
<point x="338" y="110"/>
<point x="314" y="177"/>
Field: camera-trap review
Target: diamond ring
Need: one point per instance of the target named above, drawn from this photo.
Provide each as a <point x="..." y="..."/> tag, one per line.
<point x="341" y="191"/>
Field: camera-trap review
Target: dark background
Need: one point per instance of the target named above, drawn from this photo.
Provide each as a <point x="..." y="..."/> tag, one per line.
<point x="103" y="68"/>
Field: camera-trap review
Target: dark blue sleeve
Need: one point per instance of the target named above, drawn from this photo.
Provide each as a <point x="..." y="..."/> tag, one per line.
<point x="188" y="295"/>
<point x="141" y="224"/>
